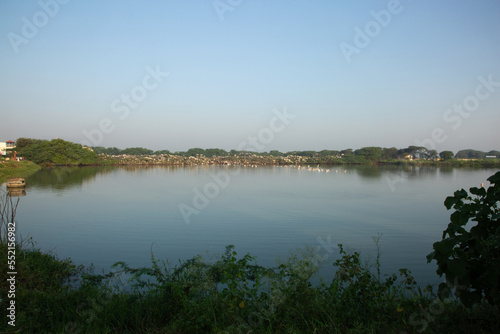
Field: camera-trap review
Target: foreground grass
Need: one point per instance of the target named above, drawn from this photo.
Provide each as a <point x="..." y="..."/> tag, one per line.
<point x="17" y="169"/>
<point x="230" y="294"/>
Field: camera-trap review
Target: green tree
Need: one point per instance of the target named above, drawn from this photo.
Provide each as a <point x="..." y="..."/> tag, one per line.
<point x="494" y="153"/>
<point x="309" y="154"/>
<point x="371" y="153"/>
<point x="328" y="153"/>
<point x="137" y="151"/>
<point x="108" y="150"/>
<point x="275" y="153"/>
<point x="215" y="152"/>
<point x="469" y="257"/>
<point x="162" y="152"/>
<point x="470" y="154"/>
<point x="446" y="155"/>
<point x="23" y="142"/>
<point x="192" y="152"/>
<point x="432" y="154"/>
<point x="57" y="151"/>
<point x="390" y="153"/>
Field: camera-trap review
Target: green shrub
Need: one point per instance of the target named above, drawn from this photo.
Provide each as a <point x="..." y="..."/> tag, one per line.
<point x="469" y="257"/>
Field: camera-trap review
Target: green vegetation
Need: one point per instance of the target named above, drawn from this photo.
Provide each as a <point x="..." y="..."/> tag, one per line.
<point x="17" y="169"/>
<point x="55" y="152"/>
<point x="417" y="155"/>
<point x="230" y="295"/>
<point x="473" y="154"/>
<point x="60" y="152"/>
<point x="446" y="155"/>
<point x="233" y="294"/>
<point x="470" y="256"/>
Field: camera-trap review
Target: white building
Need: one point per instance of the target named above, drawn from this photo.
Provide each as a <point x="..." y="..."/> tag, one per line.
<point x="6" y="146"/>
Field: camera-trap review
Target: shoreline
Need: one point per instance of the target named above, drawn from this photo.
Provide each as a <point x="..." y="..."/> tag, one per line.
<point x="265" y="161"/>
<point x="17" y="169"/>
<point x="27" y="168"/>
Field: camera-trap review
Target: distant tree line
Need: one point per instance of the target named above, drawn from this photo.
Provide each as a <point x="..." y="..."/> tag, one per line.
<point x="371" y="153"/>
<point x="473" y="154"/>
<point x="61" y="152"/>
<point x="128" y="151"/>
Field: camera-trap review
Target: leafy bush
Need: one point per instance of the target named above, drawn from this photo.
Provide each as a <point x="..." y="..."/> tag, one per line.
<point x="57" y="152"/>
<point x="470" y="257"/>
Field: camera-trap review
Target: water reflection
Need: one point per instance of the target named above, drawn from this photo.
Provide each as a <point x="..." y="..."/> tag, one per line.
<point x="62" y="178"/>
<point x="16" y="192"/>
<point x="109" y="214"/>
<point x="372" y="172"/>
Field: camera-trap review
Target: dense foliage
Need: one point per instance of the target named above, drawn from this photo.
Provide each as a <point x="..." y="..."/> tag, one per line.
<point x="474" y="154"/>
<point x="446" y="155"/>
<point x="55" y="152"/>
<point x="364" y="154"/>
<point x="469" y="256"/>
<point x="229" y="295"/>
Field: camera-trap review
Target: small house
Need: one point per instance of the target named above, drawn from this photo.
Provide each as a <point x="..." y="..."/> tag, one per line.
<point x="5" y="147"/>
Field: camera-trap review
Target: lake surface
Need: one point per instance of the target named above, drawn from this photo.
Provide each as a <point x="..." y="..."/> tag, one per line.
<point x="102" y="215"/>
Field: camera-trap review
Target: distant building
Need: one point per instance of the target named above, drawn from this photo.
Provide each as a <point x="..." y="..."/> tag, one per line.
<point x="491" y="157"/>
<point x="408" y="157"/>
<point x="5" y="147"/>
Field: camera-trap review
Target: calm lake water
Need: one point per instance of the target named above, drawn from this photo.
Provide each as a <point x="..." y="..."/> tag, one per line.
<point x="102" y="215"/>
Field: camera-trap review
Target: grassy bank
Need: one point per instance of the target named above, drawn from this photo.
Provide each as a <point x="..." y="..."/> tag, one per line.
<point x="17" y="169"/>
<point x="230" y="294"/>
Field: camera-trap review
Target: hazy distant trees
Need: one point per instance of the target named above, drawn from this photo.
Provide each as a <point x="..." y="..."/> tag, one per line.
<point x="474" y="154"/>
<point x="58" y="151"/>
<point x="137" y="151"/>
<point x="328" y="153"/>
<point x="210" y="152"/>
<point x="275" y="153"/>
<point x="371" y="153"/>
<point x="108" y="150"/>
<point x="162" y="152"/>
<point x="470" y="154"/>
<point x="390" y="153"/>
<point x="446" y="155"/>
<point x="117" y="151"/>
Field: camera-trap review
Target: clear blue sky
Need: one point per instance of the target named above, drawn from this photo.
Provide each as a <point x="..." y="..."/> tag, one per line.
<point x="228" y="69"/>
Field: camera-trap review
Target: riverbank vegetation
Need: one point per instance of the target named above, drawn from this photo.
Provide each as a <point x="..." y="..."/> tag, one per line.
<point x="230" y="295"/>
<point x="17" y="169"/>
<point x="60" y="152"/>
<point x="233" y="294"/>
<point x="55" y="152"/>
